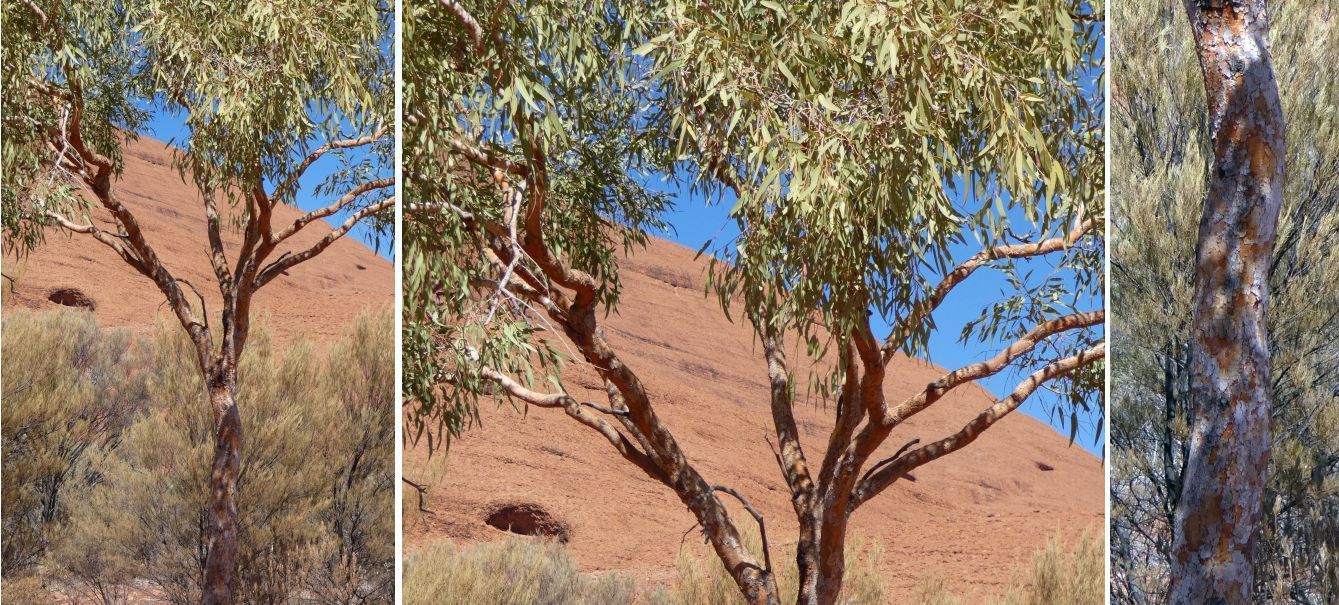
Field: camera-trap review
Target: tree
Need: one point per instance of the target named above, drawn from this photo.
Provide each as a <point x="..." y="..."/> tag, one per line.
<point x="857" y="169"/>
<point x="316" y="527"/>
<point x="266" y="91"/>
<point x="1217" y="517"/>
<point x="1160" y="141"/>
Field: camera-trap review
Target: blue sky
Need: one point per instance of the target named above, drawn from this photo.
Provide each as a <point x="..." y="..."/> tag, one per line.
<point x="696" y="222"/>
<point x="169" y="127"/>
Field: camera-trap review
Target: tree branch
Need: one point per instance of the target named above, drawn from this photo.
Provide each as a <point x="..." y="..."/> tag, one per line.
<point x="576" y="411"/>
<point x="483" y="158"/>
<point x="290" y="183"/>
<point x="762" y="525"/>
<point x="880" y="480"/>
<point x="925" y="307"/>
<point x="287" y="261"/>
<point x="794" y="467"/>
<point x="348" y="198"/>
<point x="937" y="389"/>
<point x="217" y="257"/>
<point x="108" y="239"/>
<point x="467" y="21"/>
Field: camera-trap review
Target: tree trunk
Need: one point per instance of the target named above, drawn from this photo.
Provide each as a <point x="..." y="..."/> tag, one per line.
<point x="806" y="561"/>
<point x="832" y="559"/>
<point x="221" y="559"/>
<point x="1218" y="516"/>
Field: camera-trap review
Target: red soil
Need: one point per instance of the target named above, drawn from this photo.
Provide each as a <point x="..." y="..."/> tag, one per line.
<point x="970" y="518"/>
<point x="315" y="301"/>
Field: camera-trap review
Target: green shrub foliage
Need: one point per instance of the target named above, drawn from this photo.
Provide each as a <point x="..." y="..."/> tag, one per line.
<point x="317" y="482"/>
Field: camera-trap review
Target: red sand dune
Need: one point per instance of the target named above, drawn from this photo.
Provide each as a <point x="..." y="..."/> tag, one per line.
<point x="970" y="518"/>
<point x="317" y="300"/>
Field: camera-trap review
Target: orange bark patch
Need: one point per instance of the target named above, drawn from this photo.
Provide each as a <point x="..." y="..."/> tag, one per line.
<point x="1224" y="352"/>
<point x="1262" y="157"/>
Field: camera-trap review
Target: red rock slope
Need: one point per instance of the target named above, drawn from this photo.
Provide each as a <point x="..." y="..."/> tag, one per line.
<point x="970" y="518"/>
<point x="316" y="300"/>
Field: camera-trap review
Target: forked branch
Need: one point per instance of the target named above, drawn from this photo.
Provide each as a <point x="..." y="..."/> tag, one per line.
<point x="877" y="482"/>
<point x="937" y="389"/>
<point x="907" y="325"/>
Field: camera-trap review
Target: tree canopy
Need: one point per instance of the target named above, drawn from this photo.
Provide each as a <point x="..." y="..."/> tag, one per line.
<point x="259" y="88"/>
<point x="860" y="144"/>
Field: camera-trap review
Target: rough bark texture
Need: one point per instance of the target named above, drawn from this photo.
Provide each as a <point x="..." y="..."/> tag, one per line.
<point x="1218" y="517"/>
<point x="221" y="560"/>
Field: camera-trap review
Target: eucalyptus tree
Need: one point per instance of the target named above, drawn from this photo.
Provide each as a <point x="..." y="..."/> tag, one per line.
<point x="271" y="94"/>
<point x="1161" y="148"/>
<point x="1222" y="487"/>
<point x="876" y="155"/>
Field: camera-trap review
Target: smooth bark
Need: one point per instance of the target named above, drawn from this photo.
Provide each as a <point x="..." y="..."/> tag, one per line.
<point x="1218" y="517"/>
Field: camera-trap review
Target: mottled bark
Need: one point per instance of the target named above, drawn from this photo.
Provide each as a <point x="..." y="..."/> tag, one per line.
<point x="1218" y="517"/>
<point x="794" y="467"/>
<point x="221" y="557"/>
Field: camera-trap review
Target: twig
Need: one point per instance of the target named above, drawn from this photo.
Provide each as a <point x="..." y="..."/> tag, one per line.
<point x="600" y="408"/>
<point x="421" y="489"/>
<point x="889" y="460"/>
<point x="762" y="527"/>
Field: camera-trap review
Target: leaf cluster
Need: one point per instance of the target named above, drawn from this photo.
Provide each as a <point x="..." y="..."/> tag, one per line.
<point x="861" y="142"/>
<point x="551" y="89"/>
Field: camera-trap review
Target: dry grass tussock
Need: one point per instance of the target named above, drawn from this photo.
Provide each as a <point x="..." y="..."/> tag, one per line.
<point x="520" y="571"/>
<point x="1059" y="575"/>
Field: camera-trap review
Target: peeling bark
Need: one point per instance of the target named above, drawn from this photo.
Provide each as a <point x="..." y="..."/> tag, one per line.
<point x="1218" y="516"/>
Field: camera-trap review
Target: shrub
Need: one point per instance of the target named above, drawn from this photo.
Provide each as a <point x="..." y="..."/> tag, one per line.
<point x="68" y="387"/>
<point x="515" y="571"/>
<point x="26" y="590"/>
<point x="1063" y="576"/>
<point x="519" y="571"/>
<point x="316" y="487"/>
<point x="358" y="566"/>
